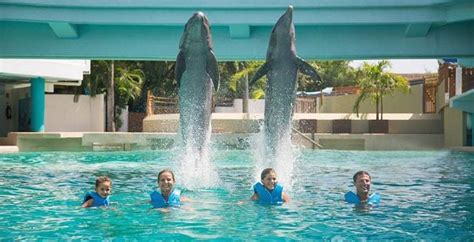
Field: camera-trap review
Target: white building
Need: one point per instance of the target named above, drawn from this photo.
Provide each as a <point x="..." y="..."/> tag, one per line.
<point x="25" y="107"/>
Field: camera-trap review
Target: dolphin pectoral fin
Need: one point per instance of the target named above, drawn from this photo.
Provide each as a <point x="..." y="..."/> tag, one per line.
<point x="261" y="72"/>
<point x="309" y="70"/>
<point x="180" y="67"/>
<point x="213" y="69"/>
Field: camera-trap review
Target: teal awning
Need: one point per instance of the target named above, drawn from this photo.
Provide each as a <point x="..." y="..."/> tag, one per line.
<point x="464" y="102"/>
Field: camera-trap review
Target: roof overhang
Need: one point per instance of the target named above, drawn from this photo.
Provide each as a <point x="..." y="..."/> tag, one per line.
<point x="463" y="102"/>
<point x="57" y="72"/>
<point x="150" y="30"/>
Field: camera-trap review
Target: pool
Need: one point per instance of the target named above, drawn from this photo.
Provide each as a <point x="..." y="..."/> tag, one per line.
<point x="425" y="195"/>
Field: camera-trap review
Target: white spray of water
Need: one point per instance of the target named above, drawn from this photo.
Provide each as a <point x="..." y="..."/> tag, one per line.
<point x="194" y="169"/>
<point x="283" y="160"/>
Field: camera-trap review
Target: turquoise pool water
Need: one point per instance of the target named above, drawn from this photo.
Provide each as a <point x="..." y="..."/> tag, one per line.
<point x="425" y="195"/>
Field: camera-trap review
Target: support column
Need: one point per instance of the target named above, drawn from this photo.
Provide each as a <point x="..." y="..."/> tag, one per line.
<point x="37" y="104"/>
<point x="458" y="90"/>
<point x="472" y="129"/>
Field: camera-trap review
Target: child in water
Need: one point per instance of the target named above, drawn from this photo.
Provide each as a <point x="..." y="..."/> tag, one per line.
<point x="167" y="196"/>
<point x="268" y="191"/>
<point x="103" y="188"/>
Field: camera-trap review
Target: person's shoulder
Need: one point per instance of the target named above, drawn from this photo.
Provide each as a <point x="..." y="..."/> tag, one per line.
<point x="375" y="198"/>
<point x="89" y="195"/>
<point x="351" y="197"/>
<point x="349" y="194"/>
<point x="154" y="193"/>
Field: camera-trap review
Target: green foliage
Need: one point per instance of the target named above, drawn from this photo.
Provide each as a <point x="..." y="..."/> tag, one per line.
<point x="158" y="78"/>
<point x="232" y="77"/>
<point x="96" y="82"/>
<point x="375" y="83"/>
<point x="333" y="74"/>
<point x="128" y="85"/>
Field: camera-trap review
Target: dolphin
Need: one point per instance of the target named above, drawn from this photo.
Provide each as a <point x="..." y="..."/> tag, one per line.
<point x="197" y="75"/>
<point x="281" y="67"/>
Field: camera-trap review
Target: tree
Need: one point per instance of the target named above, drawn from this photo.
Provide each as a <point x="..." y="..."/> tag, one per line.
<point x="126" y="82"/>
<point x="242" y="71"/>
<point x="110" y="126"/>
<point x="158" y="77"/>
<point x="128" y="86"/>
<point x="333" y="73"/>
<point x="375" y="83"/>
<point x="100" y="81"/>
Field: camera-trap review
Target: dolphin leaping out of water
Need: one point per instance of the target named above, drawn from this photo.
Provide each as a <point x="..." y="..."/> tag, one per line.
<point x="281" y="67"/>
<point x="197" y="74"/>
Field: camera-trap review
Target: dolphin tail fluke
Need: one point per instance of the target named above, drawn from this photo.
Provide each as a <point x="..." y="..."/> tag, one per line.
<point x="213" y="69"/>
<point x="309" y="70"/>
<point x="180" y="67"/>
<point x="261" y="72"/>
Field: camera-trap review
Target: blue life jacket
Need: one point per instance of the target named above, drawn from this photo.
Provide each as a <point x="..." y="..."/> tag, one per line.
<point x="267" y="197"/>
<point x="351" y="197"/>
<point x="98" y="200"/>
<point x="158" y="201"/>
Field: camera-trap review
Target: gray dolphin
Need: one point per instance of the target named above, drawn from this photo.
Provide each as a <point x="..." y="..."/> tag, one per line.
<point x="281" y="67"/>
<point x="197" y="74"/>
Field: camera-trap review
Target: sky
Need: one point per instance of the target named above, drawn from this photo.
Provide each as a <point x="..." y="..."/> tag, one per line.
<point x="406" y="66"/>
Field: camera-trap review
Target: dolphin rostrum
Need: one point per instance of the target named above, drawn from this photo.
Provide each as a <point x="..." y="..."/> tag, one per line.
<point x="197" y="74"/>
<point x="281" y="67"/>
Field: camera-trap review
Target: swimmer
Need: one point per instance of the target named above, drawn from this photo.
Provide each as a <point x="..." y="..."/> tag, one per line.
<point x="168" y="195"/>
<point x="99" y="198"/>
<point x="268" y="190"/>
<point x="362" y="182"/>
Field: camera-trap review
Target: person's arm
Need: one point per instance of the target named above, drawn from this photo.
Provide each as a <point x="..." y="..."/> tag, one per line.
<point x="88" y="203"/>
<point x="285" y="197"/>
<point x="254" y="197"/>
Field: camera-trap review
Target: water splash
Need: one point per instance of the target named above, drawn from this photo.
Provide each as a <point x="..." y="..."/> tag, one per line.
<point x="194" y="167"/>
<point x="282" y="158"/>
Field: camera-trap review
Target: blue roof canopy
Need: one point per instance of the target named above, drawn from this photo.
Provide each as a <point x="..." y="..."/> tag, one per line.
<point x="150" y="30"/>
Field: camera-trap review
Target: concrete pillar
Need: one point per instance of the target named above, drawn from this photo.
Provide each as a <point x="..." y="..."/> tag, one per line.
<point x="458" y="80"/>
<point x="472" y="128"/>
<point x="37" y="104"/>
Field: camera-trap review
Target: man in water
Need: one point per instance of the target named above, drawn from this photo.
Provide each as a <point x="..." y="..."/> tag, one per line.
<point x="362" y="182"/>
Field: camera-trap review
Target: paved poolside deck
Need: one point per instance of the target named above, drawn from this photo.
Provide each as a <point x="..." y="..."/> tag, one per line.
<point x="8" y="149"/>
<point x="406" y="132"/>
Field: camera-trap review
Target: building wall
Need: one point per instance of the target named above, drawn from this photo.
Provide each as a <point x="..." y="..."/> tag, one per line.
<point x="411" y="102"/>
<point x="62" y="114"/>
<point x="454" y="127"/>
<point x="255" y="106"/>
<point x="440" y="96"/>
<point x="10" y="96"/>
<point x="399" y="102"/>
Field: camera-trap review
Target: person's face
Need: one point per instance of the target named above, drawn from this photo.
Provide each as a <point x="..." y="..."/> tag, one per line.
<point x="362" y="183"/>
<point x="166" y="182"/>
<point x="270" y="181"/>
<point x="104" y="189"/>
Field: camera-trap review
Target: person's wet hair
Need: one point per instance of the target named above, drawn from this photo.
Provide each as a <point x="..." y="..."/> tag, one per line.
<point x="166" y="170"/>
<point x="359" y="173"/>
<point x="102" y="179"/>
<point x="266" y="171"/>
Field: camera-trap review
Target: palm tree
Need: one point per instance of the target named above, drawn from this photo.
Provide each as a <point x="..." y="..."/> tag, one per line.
<point x="128" y="86"/>
<point x="242" y="71"/>
<point x="375" y="83"/>
<point x="103" y="79"/>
